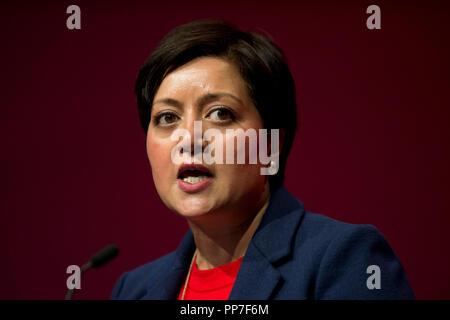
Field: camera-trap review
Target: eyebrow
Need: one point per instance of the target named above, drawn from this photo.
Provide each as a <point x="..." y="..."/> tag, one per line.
<point x="201" y="101"/>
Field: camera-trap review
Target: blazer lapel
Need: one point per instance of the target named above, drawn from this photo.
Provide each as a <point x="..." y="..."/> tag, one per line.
<point x="167" y="288"/>
<point x="258" y="278"/>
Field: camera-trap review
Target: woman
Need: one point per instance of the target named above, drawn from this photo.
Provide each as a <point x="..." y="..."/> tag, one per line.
<point x="249" y="237"/>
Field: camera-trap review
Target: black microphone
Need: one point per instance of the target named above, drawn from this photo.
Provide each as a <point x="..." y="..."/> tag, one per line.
<point x="97" y="260"/>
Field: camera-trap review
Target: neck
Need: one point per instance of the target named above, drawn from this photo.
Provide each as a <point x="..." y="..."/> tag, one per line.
<point x="220" y="239"/>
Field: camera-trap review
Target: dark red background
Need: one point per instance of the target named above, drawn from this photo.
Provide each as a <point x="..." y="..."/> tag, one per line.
<point x="373" y="146"/>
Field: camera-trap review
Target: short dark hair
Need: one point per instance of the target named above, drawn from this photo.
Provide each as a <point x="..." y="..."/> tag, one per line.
<point x="261" y="63"/>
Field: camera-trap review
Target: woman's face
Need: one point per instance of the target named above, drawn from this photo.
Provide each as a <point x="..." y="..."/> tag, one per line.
<point x="210" y="90"/>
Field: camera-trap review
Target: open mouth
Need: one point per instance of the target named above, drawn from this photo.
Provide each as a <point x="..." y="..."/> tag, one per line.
<point x="193" y="173"/>
<point x="193" y="176"/>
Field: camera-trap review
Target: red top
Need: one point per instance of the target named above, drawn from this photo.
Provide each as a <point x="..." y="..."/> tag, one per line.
<point x="211" y="284"/>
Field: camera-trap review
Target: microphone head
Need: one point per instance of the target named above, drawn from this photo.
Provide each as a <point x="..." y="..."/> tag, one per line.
<point x="104" y="256"/>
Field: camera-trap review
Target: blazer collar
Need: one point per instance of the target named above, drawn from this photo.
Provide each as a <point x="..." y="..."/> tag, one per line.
<point x="168" y="286"/>
<point x="274" y="236"/>
<point x="257" y="278"/>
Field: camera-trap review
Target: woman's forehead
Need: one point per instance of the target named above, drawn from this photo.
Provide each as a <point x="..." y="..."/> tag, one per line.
<point x="206" y="74"/>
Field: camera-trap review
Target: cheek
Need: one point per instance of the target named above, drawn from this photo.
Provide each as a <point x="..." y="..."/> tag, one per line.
<point x="242" y="173"/>
<point x="158" y="152"/>
<point x="248" y="174"/>
<point x="242" y="147"/>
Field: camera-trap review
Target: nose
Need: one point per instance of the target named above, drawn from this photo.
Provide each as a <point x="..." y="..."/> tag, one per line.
<point x="194" y="143"/>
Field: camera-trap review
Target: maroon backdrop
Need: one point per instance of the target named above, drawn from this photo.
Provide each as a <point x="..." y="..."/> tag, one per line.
<point x="373" y="146"/>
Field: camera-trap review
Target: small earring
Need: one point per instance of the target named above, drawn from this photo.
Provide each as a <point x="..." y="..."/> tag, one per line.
<point x="273" y="168"/>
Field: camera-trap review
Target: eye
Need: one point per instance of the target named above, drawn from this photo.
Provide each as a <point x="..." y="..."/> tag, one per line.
<point x="165" y="118"/>
<point x="221" y="114"/>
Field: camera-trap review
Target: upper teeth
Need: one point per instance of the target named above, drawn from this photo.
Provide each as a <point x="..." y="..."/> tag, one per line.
<point x="194" y="179"/>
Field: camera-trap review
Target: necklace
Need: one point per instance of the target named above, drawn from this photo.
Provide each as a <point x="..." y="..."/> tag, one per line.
<point x="188" y="275"/>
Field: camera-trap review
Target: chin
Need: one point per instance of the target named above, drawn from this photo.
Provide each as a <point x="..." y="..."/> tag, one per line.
<point x="193" y="207"/>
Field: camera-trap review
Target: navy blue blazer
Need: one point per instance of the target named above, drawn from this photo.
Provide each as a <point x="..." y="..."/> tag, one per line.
<point x="293" y="254"/>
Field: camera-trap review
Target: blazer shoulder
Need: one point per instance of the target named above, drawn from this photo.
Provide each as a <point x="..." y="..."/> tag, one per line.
<point x="132" y="285"/>
<point x="319" y="231"/>
<point x="332" y="227"/>
<point x="348" y="255"/>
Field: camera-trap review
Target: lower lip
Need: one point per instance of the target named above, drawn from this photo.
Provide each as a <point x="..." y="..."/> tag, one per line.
<point x="194" y="187"/>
